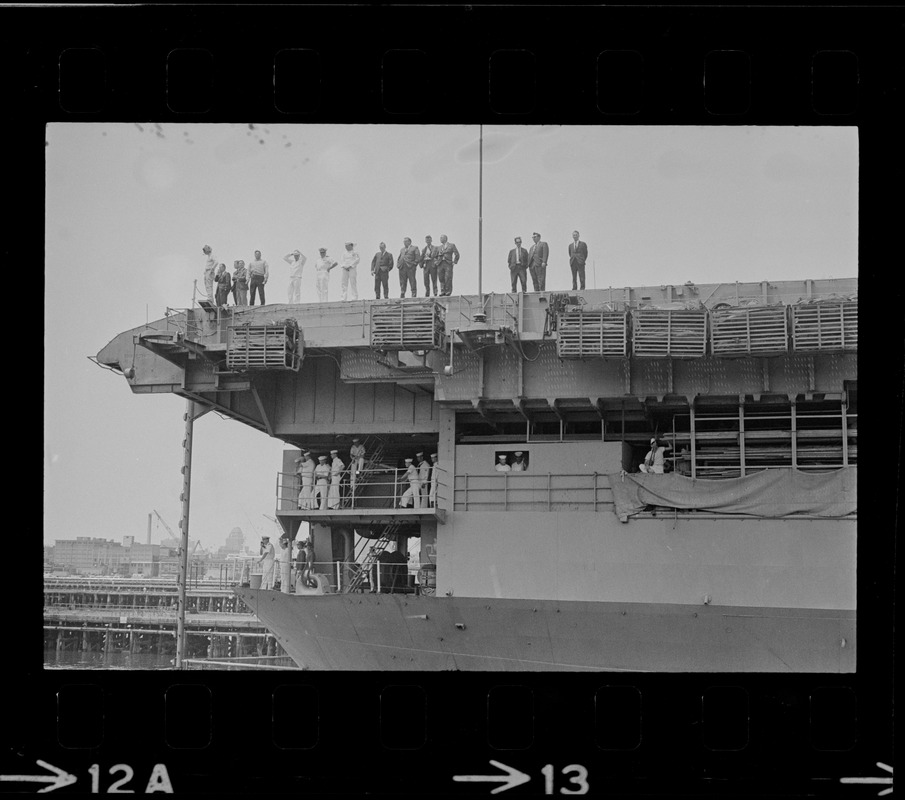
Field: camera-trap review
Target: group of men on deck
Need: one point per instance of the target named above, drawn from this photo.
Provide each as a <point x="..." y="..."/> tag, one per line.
<point x="320" y="483"/>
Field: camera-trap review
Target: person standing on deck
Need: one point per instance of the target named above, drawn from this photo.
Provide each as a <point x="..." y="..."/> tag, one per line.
<point x="350" y="272"/>
<point x="518" y="265"/>
<point x="296" y="262"/>
<point x="412" y="495"/>
<point x="429" y="266"/>
<point x="321" y="482"/>
<point x="305" y="471"/>
<point x="283" y="559"/>
<point x="224" y="284"/>
<point x="519" y="464"/>
<point x="336" y="474"/>
<point x="322" y="267"/>
<point x="356" y="461"/>
<point x="447" y="258"/>
<point x="266" y="561"/>
<point x="381" y="265"/>
<point x="424" y="476"/>
<point x="407" y="264"/>
<point x="578" y="256"/>
<point x="258" y="275"/>
<point x="434" y="478"/>
<point x="537" y="262"/>
<point x="210" y="267"/>
<point x="653" y="461"/>
<point x="502" y="466"/>
<point x="240" y="283"/>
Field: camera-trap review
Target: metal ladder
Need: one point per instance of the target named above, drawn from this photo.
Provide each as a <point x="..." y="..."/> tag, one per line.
<point x="376" y="549"/>
<point x="374" y="448"/>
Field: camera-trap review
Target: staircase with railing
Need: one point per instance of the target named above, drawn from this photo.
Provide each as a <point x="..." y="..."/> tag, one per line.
<point x="374" y="448"/>
<point x="365" y="566"/>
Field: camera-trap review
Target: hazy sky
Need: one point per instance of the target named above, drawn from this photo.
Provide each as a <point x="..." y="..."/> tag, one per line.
<point x="128" y="208"/>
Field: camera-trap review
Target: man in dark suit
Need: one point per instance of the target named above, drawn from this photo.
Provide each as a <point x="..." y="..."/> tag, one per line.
<point x="537" y="262"/>
<point x="447" y="258"/>
<point x="578" y="256"/>
<point x="381" y="265"/>
<point x="518" y="265"/>
<point x="429" y="265"/>
<point x="407" y="264"/>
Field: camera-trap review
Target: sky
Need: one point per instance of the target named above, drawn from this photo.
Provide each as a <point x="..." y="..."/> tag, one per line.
<point x="128" y="208"/>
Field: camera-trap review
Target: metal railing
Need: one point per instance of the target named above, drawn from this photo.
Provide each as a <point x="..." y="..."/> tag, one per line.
<point x="379" y="576"/>
<point x="378" y="488"/>
<point x="521" y="491"/>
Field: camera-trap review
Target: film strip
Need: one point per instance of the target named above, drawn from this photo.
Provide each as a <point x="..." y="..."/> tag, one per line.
<point x="653" y="732"/>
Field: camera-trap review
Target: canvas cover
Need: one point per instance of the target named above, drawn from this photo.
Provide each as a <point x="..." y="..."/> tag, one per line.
<point x="773" y="493"/>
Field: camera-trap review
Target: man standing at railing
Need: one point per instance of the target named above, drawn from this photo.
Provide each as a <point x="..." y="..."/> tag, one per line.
<point x="434" y="477"/>
<point x="240" y="283"/>
<point x="336" y="474"/>
<point x="266" y="561"/>
<point x="412" y="495"/>
<point x="285" y="565"/>
<point x="356" y="461"/>
<point x="447" y="258"/>
<point x="258" y="274"/>
<point x="381" y="265"/>
<point x="537" y="262"/>
<point x="322" y="269"/>
<point x="350" y="272"/>
<point x="296" y="262"/>
<point x="210" y="267"/>
<point x="424" y="476"/>
<point x="321" y="481"/>
<point x="407" y="264"/>
<point x="305" y="471"/>
<point x="429" y="265"/>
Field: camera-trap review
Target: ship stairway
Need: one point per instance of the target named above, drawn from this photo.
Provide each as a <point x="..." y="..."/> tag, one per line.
<point x="371" y="558"/>
<point x="374" y="449"/>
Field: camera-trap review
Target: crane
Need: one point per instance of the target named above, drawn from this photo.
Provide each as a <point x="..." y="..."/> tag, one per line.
<point x="163" y="521"/>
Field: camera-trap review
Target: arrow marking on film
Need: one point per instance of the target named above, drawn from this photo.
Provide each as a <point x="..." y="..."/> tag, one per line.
<point x="513" y="778"/>
<point x="59" y="779"/>
<point x="881" y="765"/>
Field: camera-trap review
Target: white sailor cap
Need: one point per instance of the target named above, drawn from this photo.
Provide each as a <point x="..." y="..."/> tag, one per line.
<point x="420" y="454"/>
<point x="334" y="452"/>
<point x="434" y="455"/>
<point x="322" y="458"/>
<point x="502" y="457"/>
<point x="355" y="439"/>
<point x="653" y="440"/>
<point x="408" y="461"/>
<point x="518" y="452"/>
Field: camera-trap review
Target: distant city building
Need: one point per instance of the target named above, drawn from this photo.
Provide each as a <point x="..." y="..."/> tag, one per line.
<point x="85" y="555"/>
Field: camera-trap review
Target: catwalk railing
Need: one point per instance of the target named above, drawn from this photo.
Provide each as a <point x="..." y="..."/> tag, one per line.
<point x="525" y="491"/>
<point x="390" y="575"/>
<point x="381" y="488"/>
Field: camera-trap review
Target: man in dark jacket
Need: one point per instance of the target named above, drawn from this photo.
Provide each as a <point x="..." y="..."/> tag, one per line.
<point x="518" y="265"/>
<point x="381" y="265"/>
<point x="578" y="256"/>
<point x="537" y="262"/>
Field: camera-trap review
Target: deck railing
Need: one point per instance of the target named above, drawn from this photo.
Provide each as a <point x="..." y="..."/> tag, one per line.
<point x="526" y="491"/>
<point x="380" y="488"/>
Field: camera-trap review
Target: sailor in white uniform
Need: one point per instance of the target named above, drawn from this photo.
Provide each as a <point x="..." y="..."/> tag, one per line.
<point x="519" y="464"/>
<point x="321" y="481"/>
<point x="305" y="471"/>
<point x="502" y="466"/>
<point x="266" y="561"/>
<point x="434" y="477"/>
<point x="653" y="461"/>
<point x="336" y="473"/>
<point x="412" y="495"/>
<point x="424" y="476"/>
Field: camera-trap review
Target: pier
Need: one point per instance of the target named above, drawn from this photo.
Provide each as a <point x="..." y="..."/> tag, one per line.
<point x="109" y="615"/>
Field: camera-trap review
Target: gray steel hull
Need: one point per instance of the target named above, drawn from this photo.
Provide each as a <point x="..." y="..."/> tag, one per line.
<point x="408" y="632"/>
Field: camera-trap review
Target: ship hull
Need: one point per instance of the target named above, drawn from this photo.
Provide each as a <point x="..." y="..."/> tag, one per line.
<point x="408" y="632"/>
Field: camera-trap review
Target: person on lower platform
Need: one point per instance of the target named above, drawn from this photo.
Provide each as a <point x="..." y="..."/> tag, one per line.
<point x="304" y="565"/>
<point x="266" y="561"/>
<point x="518" y="465"/>
<point x="502" y="465"/>
<point x="305" y="471"/>
<point x="356" y="461"/>
<point x="336" y="474"/>
<point x="653" y="461"/>
<point x="424" y="476"/>
<point x="321" y="483"/>
<point x="412" y="495"/>
<point x="435" y="476"/>
<point x="283" y="559"/>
